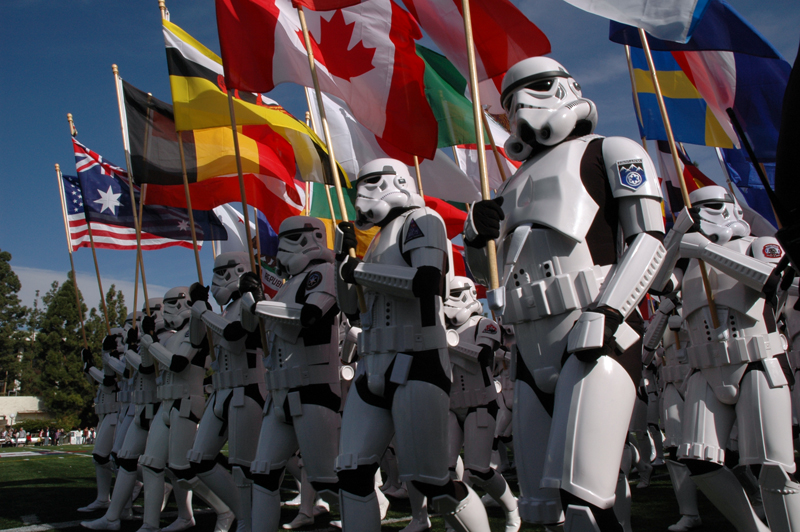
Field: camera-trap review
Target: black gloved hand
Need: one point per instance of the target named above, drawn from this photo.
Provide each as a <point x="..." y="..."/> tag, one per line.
<point x="486" y="218"/>
<point x="110" y="343"/>
<point x="149" y="326"/>
<point x="348" y="269"/>
<point x="613" y="320"/>
<point x="88" y="359"/>
<point x="249" y="282"/>
<point x="309" y="315"/>
<point x="349" y="240"/>
<point x="132" y="337"/>
<point x="198" y="292"/>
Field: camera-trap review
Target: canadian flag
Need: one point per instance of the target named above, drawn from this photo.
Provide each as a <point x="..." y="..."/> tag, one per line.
<point x="365" y="54"/>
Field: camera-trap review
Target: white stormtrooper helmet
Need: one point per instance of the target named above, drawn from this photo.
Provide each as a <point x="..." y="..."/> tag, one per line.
<point x="462" y="301"/>
<point x="302" y="239"/>
<point x="129" y="321"/>
<point x="176" y="307"/>
<point x="228" y="267"/>
<point x="544" y="105"/>
<point x="721" y="217"/>
<point x="383" y="185"/>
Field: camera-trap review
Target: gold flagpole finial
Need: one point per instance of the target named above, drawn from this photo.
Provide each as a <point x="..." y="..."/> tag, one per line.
<point x="72" y="130"/>
<point x="58" y="167"/>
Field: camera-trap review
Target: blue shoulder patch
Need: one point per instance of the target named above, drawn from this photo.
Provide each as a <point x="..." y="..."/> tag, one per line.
<point x="631" y="173"/>
<point x="313" y="280"/>
<point x="413" y="232"/>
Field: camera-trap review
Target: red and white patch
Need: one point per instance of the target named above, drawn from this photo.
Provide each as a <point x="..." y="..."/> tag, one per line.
<point x="490" y="328"/>
<point x="772" y="251"/>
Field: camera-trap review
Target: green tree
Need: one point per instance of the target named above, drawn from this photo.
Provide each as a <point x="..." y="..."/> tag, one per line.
<point x="12" y="320"/>
<point x="66" y="393"/>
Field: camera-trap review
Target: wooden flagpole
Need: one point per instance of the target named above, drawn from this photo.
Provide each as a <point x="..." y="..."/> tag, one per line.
<point x="242" y="191"/>
<point x="73" y="132"/>
<point x="69" y="247"/>
<point x="419" y="176"/>
<point x="712" y="306"/>
<point x="362" y="304"/>
<point x="136" y="220"/>
<point x="477" y="110"/>
<point x="497" y="157"/>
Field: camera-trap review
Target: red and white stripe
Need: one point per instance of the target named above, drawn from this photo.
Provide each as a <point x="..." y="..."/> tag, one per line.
<point x="107" y="236"/>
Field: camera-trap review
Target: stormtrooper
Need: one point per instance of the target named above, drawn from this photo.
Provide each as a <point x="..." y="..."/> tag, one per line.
<point x="304" y="404"/>
<point x="107" y="409"/>
<point x="141" y="388"/>
<point x="665" y="344"/>
<point x="403" y="381"/>
<point x="472" y="341"/>
<point x="173" y="430"/>
<point x="579" y="232"/>
<point x="233" y="412"/>
<point x="736" y="372"/>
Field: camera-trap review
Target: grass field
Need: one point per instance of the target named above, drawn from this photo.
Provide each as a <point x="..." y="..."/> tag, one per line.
<point x="48" y="487"/>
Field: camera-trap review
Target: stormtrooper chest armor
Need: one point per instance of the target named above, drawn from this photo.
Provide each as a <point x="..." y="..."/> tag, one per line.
<point x="470" y="377"/>
<point x="292" y="363"/>
<point x="554" y="272"/>
<point x="232" y="357"/>
<point x="185" y="383"/>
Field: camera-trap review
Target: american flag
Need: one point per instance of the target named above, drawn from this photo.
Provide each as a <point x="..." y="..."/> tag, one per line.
<point x="100" y="196"/>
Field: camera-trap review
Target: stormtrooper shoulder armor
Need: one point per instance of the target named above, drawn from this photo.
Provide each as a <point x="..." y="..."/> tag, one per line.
<point x="634" y="183"/>
<point x="423" y="227"/>
<point x="487" y="333"/>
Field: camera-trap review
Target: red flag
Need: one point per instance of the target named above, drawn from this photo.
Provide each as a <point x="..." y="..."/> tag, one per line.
<point x="503" y="34"/>
<point x="365" y="54"/>
<point x="324" y="5"/>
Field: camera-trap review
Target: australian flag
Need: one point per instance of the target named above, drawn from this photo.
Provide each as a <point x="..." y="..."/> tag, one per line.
<point x="105" y="198"/>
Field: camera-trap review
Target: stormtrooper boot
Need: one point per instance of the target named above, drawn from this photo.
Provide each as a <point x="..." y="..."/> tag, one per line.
<point x="221" y="483"/>
<point x="725" y="492"/>
<point x="466" y="515"/>
<point x="266" y="510"/>
<point x="225" y="516"/>
<point x="781" y="498"/>
<point x="686" y="494"/>
<point x="419" y="511"/>
<point x="104" y="474"/>
<point x="359" y="513"/>
<point x="497" y="487"/>
<point x="622" y="504"/>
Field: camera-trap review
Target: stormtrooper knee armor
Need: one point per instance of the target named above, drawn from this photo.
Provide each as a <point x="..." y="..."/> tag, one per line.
<point x="568" y="284"/>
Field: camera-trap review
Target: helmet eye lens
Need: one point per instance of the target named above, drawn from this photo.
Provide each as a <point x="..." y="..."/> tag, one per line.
<point x="713" y="206"/>
<point x="293" y="238"/>
<point x="541" y="86"/>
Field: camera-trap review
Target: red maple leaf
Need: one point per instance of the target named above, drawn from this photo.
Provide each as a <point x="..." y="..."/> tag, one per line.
<point x="334" y="54"/>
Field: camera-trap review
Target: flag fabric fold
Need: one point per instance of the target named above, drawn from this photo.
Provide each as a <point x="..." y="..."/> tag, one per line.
<point x="267" y="161"/>
<point x="365" y="54"/>
<point x="673" y="20"/>
<point x="200" y="99"/>
<point x="100" y="196"/>
<point x="503" y="35"/>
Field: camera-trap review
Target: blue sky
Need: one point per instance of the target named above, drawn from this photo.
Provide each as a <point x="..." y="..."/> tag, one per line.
<point x="56" y="58"/>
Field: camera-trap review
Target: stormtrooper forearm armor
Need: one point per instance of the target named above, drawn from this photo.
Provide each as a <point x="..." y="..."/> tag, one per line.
<point x="249" y="319"/>
<point x="659" y="324"/>
<point x="633" y="276"/>
<point x="214" y="321"/>
<point x="672" y="244"/>
<point x="96" y="374"/>
<point x="747" y="270"/>
<point x="165" y="356"/>
<point x="279" y="312"/>
<point x="115" y="364"/>
<point x="133" y="359"/>
<point x="386" y="278"/>
<point x="197" y="329"/>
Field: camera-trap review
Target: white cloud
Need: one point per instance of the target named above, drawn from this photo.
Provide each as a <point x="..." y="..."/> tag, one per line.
<point x="33" y="279"/>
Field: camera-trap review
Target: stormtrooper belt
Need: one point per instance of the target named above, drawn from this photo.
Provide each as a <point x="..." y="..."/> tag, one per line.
<point x="675" y="373"/>
<point x="735" y="351"/>
<point x="124" y="396"/>
<point x="469" y="398"/>
<point x="106" y="408"/>
<point x="284" y="379"/>
<point x="143" y="397"/>
<point x="400" y="339"/>
<point x="167" y="392"/>
<point x="555" y="295"/>
<point x="223" y="380"/>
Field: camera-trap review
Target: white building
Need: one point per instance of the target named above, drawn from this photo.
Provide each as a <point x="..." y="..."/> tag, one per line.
<point x="14" y="409"/>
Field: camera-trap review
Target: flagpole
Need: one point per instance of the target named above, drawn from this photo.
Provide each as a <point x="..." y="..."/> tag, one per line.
<point x="635" y="94"/>
<point x="362" y="304"/>
<point x="136" y="221"/>
<point x="69" y="248"/>
<point x="419" y="176"/>
<point x="477" y="110"/>
<point x="241" y="181"/>
<point x="73" y="132"/>
<point x="258" y="237"/>
<point x="494" y="147"/>
<point x="712" y="306"/>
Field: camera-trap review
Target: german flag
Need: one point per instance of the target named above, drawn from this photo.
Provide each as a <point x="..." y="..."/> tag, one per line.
<point x="201" y="101"/>
<point x="268" y="162"/>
